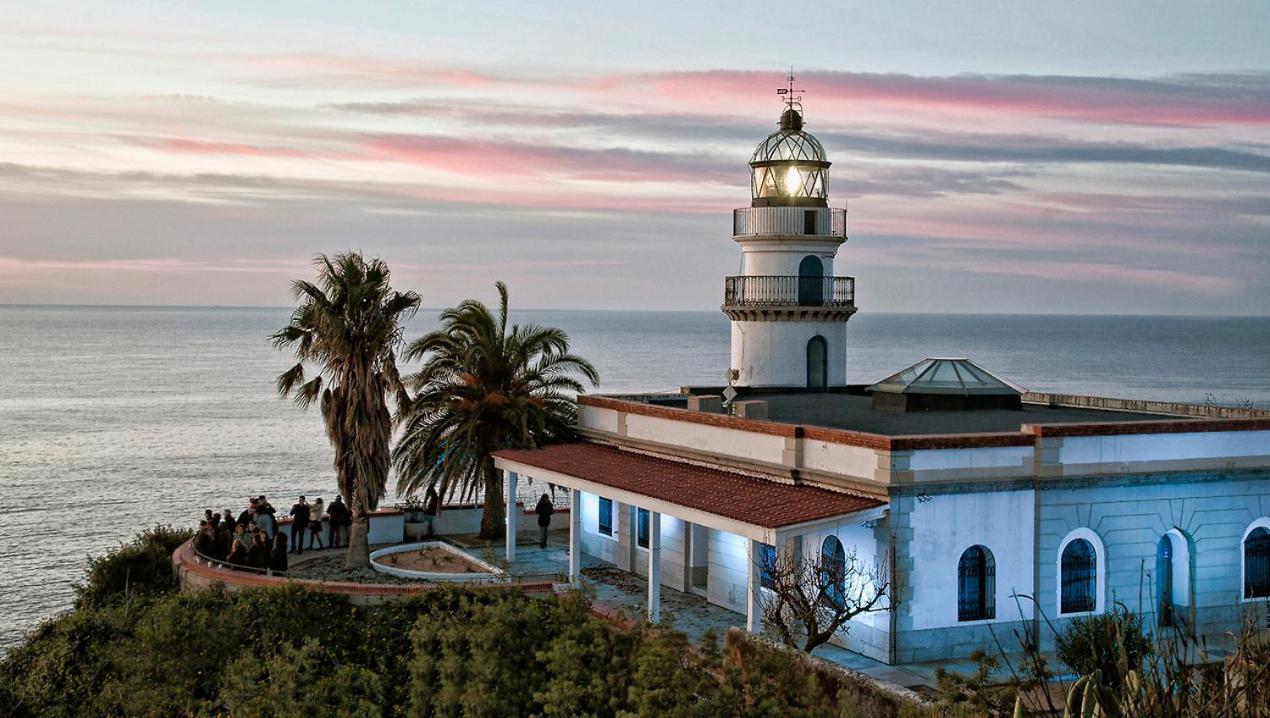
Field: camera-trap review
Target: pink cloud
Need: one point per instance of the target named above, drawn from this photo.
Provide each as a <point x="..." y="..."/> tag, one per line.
<point x="1167" y="101"/>
<point x="185" y="145"/>
<point x="481" y="158"/>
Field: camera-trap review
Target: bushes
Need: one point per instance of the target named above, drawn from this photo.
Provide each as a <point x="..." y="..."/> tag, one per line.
<point x="141" y="566"/>
<point x="135" y="647"/>
<point x="1113" y="643"/>
<point x="303" y="681"/>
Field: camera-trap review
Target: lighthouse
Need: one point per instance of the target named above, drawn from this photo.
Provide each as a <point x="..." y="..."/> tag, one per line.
<point x="789" y="311"/>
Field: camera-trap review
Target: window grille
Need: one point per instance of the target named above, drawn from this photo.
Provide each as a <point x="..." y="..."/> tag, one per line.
<point x="833" y="570"/>
<point x="1079" y="569"/>
<point x="976" y="585"/>
<point x="605" y="522"/>
<point x="1257" y="564"/>
<point x="767" y="565"/>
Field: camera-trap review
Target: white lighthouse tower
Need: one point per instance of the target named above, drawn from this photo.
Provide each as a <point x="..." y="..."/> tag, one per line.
<point x="789" y="312"/>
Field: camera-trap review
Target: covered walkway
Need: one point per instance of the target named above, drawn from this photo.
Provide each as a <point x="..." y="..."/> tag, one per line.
<point x="761" y="513"/>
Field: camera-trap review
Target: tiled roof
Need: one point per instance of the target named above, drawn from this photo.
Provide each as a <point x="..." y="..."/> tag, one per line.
<point x="750" y="500"/>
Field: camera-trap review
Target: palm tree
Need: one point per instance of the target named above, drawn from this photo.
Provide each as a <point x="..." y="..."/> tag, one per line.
<point x="483" y="388"/>
<point x="349" y="326"/>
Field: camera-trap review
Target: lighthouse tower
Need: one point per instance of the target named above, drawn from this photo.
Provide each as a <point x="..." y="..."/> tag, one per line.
<point x="789" y="312"/>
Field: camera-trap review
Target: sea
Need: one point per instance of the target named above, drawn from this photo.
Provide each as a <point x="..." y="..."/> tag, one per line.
<point x="113" y="419"/>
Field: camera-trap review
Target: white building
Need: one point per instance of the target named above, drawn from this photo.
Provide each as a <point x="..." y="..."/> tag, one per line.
<point x="991" y="505"/>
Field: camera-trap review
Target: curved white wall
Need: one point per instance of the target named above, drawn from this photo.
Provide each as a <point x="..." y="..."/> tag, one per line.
<point x="762" y="258"/>
<point x="774" y="353"/>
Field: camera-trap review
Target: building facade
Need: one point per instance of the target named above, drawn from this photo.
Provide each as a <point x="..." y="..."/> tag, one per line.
<point x="989" y="507"/>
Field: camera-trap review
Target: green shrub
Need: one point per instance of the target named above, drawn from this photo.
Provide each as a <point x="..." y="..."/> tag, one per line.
<point x="668" y="681"/>
<point x="141" y="566"/>
<point x="588" y="663"/>
<point x="1114" y="643"/>
<point x="771" y="682"/>
<point x="299" y="681"/>
<point x="474" y="653"/>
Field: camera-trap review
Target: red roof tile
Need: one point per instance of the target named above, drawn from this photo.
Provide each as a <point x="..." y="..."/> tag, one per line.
<point x="755" y="501"/>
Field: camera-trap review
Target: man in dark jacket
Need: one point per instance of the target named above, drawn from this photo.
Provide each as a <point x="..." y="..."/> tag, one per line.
<point x="339" y="520"/>
<point x="544" y="509"/>
<point x="299" y="525"/>
<point x="278" y="560"/>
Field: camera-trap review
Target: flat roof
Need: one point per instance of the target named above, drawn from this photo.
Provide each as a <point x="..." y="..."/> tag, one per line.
<point x="748" y="499"/>
<point x="856" y="413"/>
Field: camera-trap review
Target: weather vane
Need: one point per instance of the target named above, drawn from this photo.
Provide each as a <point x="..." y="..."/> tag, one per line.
<point x="791" y="96"/>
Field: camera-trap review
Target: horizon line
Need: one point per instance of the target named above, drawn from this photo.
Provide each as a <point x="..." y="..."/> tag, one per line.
<point x="45" y="305"/>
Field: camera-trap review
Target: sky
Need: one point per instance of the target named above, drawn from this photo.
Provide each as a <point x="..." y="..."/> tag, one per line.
<point x="1082" y="157"/>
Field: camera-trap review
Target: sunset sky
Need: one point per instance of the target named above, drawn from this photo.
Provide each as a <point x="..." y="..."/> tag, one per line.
<point x="1102" y="157"/>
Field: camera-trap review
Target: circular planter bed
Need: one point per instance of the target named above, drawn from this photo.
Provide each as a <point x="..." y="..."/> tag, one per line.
<point x="434" y="561"/>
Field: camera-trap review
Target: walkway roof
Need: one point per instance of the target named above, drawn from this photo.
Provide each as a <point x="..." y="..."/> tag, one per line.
<point x="761" y="503"/>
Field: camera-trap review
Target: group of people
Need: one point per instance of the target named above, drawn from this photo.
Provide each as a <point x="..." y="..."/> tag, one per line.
<point x="253" y="539"/>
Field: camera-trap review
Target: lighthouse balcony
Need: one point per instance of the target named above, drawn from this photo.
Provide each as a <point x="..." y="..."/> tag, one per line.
<point x="777" y="291"/>
<point x="789" y="222"/>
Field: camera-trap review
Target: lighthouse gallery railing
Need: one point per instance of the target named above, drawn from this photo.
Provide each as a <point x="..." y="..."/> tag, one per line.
<point x="789" y="221"/>
<point x="789" y="291"/>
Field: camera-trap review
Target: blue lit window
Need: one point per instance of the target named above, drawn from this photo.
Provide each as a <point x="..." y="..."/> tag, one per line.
<point x="833" y="570"/>
<point x="767" y="565"/>
<point x="641" y="528"/>
<point x="605" y="521"/>
<point x="1257" y="564"/>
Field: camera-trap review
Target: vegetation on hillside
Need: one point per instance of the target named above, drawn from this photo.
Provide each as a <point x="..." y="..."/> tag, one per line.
<point x="141" y="648"/>
<point x="349" y="327"/>
<point x="484" y="386"/>
<point x="135" y="646"/>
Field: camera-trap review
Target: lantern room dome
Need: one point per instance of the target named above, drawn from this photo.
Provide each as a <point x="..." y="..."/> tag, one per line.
<point x="789" y="167"/>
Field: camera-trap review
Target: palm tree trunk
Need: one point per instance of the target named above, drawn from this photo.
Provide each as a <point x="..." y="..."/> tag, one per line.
<point x="358" y="540"/>
<point x="492" y="524"/>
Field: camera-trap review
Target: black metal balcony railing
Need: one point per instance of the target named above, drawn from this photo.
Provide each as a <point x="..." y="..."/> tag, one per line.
<point x="789" y="221"/>
<point x="789" y="291"/>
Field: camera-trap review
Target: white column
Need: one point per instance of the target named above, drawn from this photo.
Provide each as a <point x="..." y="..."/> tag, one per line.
<point x="575" y="536"/>
<point x="654" y="566"/>
<point x="509" y="490"/>
<point x="753" y="583"/>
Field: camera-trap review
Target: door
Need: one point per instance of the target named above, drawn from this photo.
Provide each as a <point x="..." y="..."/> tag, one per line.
<point x="817" y="363"/>
<point x="811" y="282"/>
<point x="698" y="558"/>
<point x="1164" y="581"/>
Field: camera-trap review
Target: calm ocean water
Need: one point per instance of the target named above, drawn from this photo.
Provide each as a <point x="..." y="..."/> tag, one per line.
<point x="113" y="419"/>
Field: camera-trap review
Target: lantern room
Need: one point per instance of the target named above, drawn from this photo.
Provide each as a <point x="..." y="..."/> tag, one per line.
<point x="789" y="168"/>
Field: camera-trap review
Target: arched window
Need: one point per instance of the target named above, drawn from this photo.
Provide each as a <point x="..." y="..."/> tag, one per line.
<point x="811" y="281"/>
<point x="833" y="569"/>
<point x="1079" y="571"/>
<point x="1257" y="563"/>
<point x="817" y="363"/>
<point x="976" y="585"/>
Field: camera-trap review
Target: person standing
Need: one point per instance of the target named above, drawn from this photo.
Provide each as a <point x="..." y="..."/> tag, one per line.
<point x="204" y="540"/>
<point x="315" y="523"/>
<point x="544" y="509"/>
<point x="258" y="554"/>
<point x="299" y="525"/>
<point x="337" y="514"/>
<point x="278" y="559"/>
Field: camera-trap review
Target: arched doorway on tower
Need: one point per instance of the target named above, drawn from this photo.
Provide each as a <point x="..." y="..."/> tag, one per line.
<point x="817" y="363"/>
<point x="1172" y="579"/>
<point x="811" y="281"/>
